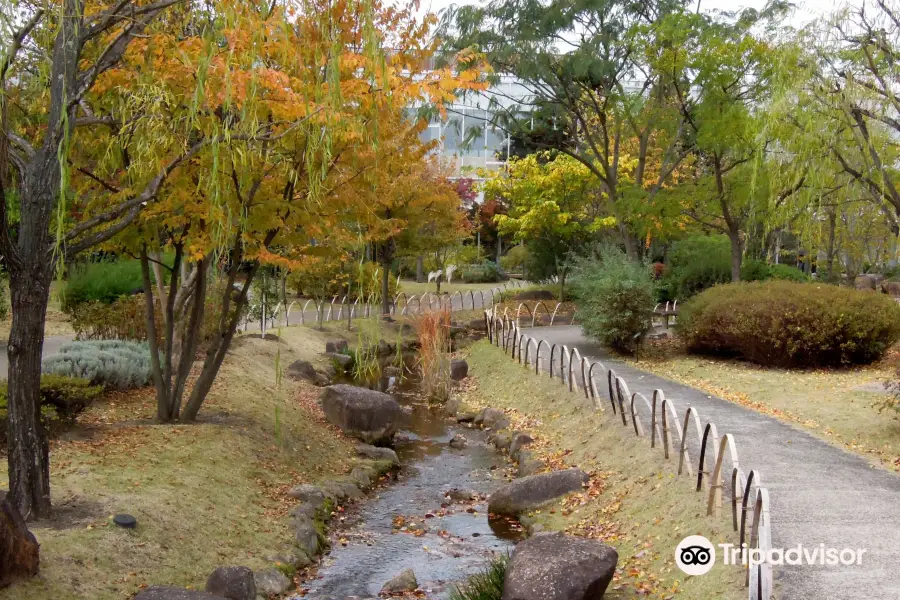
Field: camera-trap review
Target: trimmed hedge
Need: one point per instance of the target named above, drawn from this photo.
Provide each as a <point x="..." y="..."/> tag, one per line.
<point x="788" y="324"/>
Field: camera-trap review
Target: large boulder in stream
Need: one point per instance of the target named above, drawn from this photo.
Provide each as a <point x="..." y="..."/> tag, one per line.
<point x="532" y="491"/>
<point x="555" y="566"/>
<point x="368" y="415"/>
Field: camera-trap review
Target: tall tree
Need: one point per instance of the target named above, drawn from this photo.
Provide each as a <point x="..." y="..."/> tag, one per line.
<point x="590" y="89"/>
<point x="49" y="67"/>
<point x="722" y="73"/>
<point x="555" y="205"/>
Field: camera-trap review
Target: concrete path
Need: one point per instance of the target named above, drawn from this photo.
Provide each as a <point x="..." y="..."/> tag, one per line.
<point x="51" y="347"/>
<point x="820" y="494"/>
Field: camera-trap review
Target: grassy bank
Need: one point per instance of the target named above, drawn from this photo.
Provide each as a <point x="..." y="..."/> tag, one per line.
<point x="204" y="495"/>
<point x="837" y="405"/>
<point x="634" y="503"/>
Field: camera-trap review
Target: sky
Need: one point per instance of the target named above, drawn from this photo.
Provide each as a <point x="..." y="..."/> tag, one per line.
<point x="807" y="10"/>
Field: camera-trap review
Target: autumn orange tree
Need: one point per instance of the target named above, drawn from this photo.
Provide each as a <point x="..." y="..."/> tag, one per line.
<point x="408" y="204"/>
<point x="221" y="131"/>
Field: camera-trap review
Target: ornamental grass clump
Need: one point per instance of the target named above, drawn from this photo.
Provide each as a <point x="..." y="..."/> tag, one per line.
<point x="433" y="329"/>
<point x="487" y="585"/>
<point x="114" y="364"/>
<point x="790" y="324"/>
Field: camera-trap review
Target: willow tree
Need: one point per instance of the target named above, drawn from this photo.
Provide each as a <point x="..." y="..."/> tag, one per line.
<point x="279" y="184"/>
<point x="724" y="69"/>
<point x="588" y="87"/>
<point x="52" y="58"/>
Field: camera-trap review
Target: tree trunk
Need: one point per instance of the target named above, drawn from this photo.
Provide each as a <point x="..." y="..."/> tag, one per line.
<point x="420" y="269"/>
<point x="832" y="224"/>
<point x="562" y="284"/>
<point x="736" y="255"/>
<point x="385" y="284"/>
<point x="29" y="448"/>
<point x="219" y="346"/>
<point x="18" y="546"/>
<point x="499" y="248"/>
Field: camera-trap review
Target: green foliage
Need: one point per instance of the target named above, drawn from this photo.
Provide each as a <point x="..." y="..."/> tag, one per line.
<point x="758" y="270"/>
<point x="695" y="264"/>
<point x="487" y="585"/>
<point x="486" y="272"/>
<point x="754" y="269"/>
<point x="68" y="396"/>
<point x="114" y="364"/>
<point x="615" y="297"/>
<point x="104" y="281"/>
<point x="788" y="273"/>
<point x="516" y="259"/>
<point x="789" y="324"/>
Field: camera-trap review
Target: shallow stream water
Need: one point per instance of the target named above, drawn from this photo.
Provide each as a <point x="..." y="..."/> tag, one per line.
<point x="370" y="547"/>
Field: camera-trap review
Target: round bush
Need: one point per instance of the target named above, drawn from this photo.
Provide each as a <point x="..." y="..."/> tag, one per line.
<point x="789" y="324"/>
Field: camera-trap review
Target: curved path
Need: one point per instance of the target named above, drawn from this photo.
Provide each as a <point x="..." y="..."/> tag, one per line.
<point x="820" y="494"/>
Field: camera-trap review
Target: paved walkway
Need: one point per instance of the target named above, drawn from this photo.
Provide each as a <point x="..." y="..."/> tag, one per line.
<point x="820" y="494"/>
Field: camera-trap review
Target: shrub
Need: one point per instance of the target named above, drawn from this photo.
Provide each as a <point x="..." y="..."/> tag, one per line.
<point x="67" y="396"/>
<point x="487" y="585"/>
<point x="758" y="270"/>
<point x="486" y="272"/>
<point x="615" y="297"/>
<point x="695" y="264"/>
<point x="755" y="270"/>
<point x="332" y="278"/>
<point x="788" y="273"/>
<point x="114" y="364"/>
<point x="104" y="282"/>
<point x="126" y="318"/>
<point x="789" y="324"/>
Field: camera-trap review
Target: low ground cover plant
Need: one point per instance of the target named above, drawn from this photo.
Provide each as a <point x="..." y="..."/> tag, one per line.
<point x="789" y="324"/>
<point x="62" y="400"/>
<point x="113" y="364"/>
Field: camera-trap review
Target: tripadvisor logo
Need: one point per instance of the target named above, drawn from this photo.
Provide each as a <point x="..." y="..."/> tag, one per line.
<point x="695" y="555"/>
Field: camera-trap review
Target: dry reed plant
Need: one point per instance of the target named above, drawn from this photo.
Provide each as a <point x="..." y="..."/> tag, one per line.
<point x="433" y="329"/>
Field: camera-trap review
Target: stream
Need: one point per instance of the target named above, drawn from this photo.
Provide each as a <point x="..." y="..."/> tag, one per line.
<point x="371" y="546"/>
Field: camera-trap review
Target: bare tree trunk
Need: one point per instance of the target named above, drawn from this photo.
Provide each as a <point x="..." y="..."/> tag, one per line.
<point x="832" y="224"/>
<point x="736" y="255"/>
<point x="499" y="248"/>
<point x="420" y="269"/>
<point x="220" y="344"/>
<point x="29" y="448"/>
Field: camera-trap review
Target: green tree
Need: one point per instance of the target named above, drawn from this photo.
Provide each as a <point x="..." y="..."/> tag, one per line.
<point x="592" y="91"/>
<point x="555" y="206"/>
